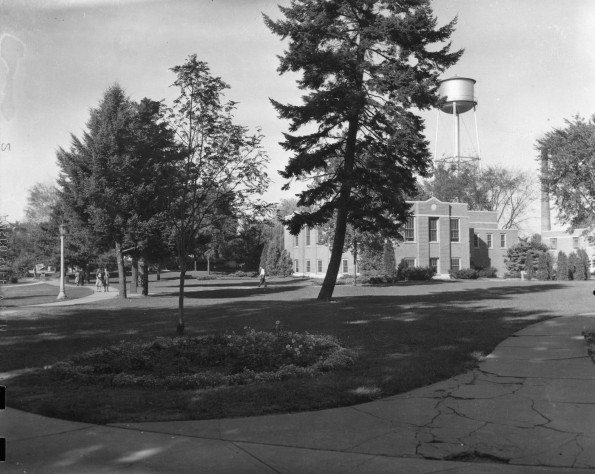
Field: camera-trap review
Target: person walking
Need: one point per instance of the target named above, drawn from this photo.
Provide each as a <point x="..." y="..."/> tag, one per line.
<point x="98" y="280"/>
<point x="106" y="279"/>
<point x="263" y="277"/>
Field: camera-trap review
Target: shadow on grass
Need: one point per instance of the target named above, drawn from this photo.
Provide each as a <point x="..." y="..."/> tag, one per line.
<point x="404" y="341"/>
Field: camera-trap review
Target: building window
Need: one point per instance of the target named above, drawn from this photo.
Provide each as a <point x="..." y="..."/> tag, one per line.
<point x="307" y="235"/>
<point x="319" y="263"/>
<point x="307" y="266"/>
<point x="490" y="242"/>
<point x="502" y="241"/>
<point x="434" y="264"/>
<point x="433" y="229"/>
<point x="410" y="229"/>
<point x="454" y="230"/>
<point x="476" y="241"/>
<point x="345" y="266"/>
<point x="575" y="242"/>
<point x="296" y="266"/>
<point x="296" y="242"/>
<point x="455" y="264"/>
<point x="553" y="243"/>
<point x="409" y="262"/>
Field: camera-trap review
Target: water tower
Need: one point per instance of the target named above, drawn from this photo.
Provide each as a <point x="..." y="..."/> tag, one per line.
<point x="459" y="95"/>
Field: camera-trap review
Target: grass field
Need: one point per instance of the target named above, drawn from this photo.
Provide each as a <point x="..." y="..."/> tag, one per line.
<point x="406" y="336"/>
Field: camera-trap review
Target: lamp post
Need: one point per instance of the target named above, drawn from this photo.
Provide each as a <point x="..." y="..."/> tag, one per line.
<point x="62" y="294"/>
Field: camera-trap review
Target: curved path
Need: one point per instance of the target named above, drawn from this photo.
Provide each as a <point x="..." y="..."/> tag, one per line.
<point x="528" y="408"/>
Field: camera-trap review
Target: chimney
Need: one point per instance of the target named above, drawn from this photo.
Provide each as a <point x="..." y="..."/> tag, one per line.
<point x="545" y="193"/>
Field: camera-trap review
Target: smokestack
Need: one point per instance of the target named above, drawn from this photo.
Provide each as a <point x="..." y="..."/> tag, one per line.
<point x="545" y="193"/>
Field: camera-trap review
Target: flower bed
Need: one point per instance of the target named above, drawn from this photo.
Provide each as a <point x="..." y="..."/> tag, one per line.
<point x="209" y="361"/>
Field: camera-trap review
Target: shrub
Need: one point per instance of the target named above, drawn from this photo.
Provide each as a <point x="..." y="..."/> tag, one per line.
<point x="377" y="278"/>
<point x="464" y="274"/>
<point x="489" y="272"/>
<point x="418" y="273"/>
<point x="529" y="266"/>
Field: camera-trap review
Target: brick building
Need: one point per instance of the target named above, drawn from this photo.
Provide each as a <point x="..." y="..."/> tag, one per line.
<point x="444" y="235"/>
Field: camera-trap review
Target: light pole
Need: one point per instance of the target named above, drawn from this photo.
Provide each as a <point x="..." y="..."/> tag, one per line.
<point x="62" y="294"/>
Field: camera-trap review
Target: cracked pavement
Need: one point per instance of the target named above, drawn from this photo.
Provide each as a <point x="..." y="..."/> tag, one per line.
<point x="528" y="407"/>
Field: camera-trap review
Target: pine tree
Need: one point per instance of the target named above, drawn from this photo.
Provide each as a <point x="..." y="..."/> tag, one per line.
<point x="543" y="266"/>
<point x="584" y="259"/>
<point x="562" y="267"/>
<point x="575" y="267"/>
<point x="366" y="65"/>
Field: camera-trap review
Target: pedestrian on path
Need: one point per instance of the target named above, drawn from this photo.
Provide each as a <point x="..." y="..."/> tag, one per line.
<point x="105" y="279"/>
<point x="263" y="277"/>
<point x="98" y="280"/>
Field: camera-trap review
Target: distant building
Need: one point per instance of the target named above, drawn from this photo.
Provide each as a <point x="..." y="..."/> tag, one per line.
<point x="444" y="235"/>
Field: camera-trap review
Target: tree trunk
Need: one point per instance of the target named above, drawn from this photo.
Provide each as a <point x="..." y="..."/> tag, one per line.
<point x="208" y="264"/>
<point x="121" y="270"/>
<point x="180" y="328"/>
<point x="328" y="285"/>
<point x="144" y="277"/>
<point x="354" y="262"/>
<point x="158" y="271"/>
<point x="134" y="278"/>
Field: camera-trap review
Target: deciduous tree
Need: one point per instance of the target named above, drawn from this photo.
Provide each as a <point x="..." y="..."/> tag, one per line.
<point x="223" y="166"/>
<point x="509" y="192"/>
<point x="366" y="64"/>
<point x="570" y="177"/>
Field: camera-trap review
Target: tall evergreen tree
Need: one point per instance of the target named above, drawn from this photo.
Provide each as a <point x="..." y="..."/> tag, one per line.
<point x="562" y="266"/>
<point x="111" y="178"/>
<point x="585" y="262"/>
<point x="366" y="64"/>
<point x="575" y="270"/>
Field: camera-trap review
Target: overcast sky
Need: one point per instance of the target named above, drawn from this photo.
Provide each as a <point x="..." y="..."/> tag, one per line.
<point x="533" y="60"/>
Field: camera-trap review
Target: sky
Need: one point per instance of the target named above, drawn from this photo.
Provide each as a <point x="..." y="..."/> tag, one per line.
<point x="533" y="60"/>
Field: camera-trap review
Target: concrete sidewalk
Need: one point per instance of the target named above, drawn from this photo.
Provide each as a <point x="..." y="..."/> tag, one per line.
<point x="528" y="408"/>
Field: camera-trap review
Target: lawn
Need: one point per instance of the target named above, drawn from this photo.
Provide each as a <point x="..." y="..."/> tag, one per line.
<point x="406" y="336"/>
<point x="39" y="293"/>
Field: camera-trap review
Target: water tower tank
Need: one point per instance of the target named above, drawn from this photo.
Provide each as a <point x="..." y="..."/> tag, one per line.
<point x="459" y="91"/>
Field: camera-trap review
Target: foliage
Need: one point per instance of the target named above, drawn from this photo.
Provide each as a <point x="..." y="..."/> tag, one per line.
<point x="377" y="278"/>
<point x="576" y="267"/>
<point x="111" y="179"/>
<point x="388" y="258"/>
<point x="42" y="199"/>
<point x="517" y="254"/>
<point x="584" y="261"/>
<point x="570" y="176"/>
<point x="222" y="169"/>
<point x="464" y="274"/>
<point x="207" y="361"/>
<point x="545" y="270"/>
<point x="489" y="272"/>
<point x="562" y="269"/>
<point x="529" y="265"/>
<point x="508" y="192"/>
<point x="417" y="273"/>
<point x="278" y="262"/>
<point x="366" y="64"/>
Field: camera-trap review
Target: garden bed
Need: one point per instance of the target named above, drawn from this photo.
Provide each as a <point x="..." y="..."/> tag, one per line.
<point x="207" y="361"/>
